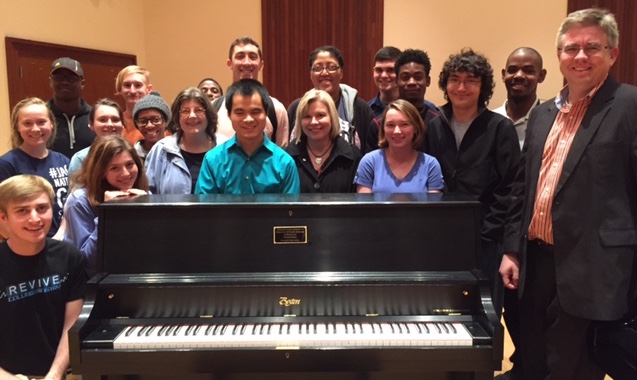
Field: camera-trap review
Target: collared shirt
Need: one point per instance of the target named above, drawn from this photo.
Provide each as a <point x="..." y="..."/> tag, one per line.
<point x="556" y="148"/>
<point x="377" y="105"/>
<point x="227" y="169"/>
<point x="520" y="124"/>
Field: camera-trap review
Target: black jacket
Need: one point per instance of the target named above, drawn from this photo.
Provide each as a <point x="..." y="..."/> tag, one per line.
<point x="484" y="166"/>
<point x="82" y="137"/>
<point x="338" y="174"/>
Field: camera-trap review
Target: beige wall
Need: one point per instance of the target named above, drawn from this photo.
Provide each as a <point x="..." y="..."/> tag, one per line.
<point x="185" y="44"/>
<point x="111" y="25"/>
<point x="493" y="28"/>
<point x="181" y="42"/>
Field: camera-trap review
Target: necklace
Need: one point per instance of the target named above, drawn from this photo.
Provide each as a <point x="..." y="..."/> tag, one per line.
<point x="318" y="158"/>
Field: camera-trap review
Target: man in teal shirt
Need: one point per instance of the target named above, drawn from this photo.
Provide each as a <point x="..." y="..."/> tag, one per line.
<point x="248" y="163"/>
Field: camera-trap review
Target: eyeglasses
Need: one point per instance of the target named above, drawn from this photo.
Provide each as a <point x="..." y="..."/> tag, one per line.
<point x="468" y="82"/>
<point x="329" y="68"/>
<point x="187" y="111"/>
<point x="155" y="120"/>
<point x="590" y="49"/>
<point x="66" y="77"/>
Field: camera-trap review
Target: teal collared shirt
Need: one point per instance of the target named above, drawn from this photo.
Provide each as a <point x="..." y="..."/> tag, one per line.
<point x="227" y="169"/>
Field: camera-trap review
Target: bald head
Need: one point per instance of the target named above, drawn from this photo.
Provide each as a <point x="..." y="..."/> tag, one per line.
<point x="527" y="51"/>
<point x="523" y="71"/>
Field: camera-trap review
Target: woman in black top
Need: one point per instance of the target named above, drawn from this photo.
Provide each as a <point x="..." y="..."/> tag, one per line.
<point x="325" y="161"/>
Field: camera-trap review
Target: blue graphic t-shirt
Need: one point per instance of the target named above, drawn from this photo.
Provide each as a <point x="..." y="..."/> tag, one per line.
<point x="53" y="168"/>
<point x="34" y="291"/>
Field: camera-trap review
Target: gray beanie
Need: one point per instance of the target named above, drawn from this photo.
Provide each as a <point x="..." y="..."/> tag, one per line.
<point x="152" y="100"/>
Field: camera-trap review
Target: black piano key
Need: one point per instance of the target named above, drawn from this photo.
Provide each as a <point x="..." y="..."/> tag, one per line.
<point x="197" y="328"/>
<point x="130" y="330"/>
<point x="150" y="330"/>
<point x="243" y="329"/>
<point x="163" y="330"/>
<point x="217" y="329"/>
<point x="443" y="327"/>
<point x="210" y="329"/>
<point x="189" y="330"/>
<point x="268" y="328"/>
<point x="453" y="328"/>
<point x="223" y="329"/>
<point x="437" y="328"/>
<point x="177" y="330"/>
<point x="170" y="330"/>
<point x="236" y="329"/>
<point x="142" y="331"/>
<point x="425" y="327"/>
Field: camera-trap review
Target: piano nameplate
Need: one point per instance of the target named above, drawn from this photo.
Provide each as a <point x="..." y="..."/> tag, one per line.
<point x="289" y="234"/>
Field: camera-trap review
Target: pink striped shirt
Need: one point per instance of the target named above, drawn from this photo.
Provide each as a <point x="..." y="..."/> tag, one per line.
<point x="558" y="143"/>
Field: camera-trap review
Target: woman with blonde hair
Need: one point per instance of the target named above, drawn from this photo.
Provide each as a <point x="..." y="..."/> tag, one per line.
<point x="325" y="161"/>
<point x="112" y="169"/>
<point x="398" y="166"/>
<point x="32" y="131"/>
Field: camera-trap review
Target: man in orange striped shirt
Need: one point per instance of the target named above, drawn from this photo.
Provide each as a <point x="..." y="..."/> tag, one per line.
<point x="571" y="239"/>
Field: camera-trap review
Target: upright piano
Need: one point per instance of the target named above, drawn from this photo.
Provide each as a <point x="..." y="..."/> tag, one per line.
<point x="332" y="287"/>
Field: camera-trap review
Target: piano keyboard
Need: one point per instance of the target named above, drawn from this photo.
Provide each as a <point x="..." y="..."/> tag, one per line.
<point x="293" y="335"/>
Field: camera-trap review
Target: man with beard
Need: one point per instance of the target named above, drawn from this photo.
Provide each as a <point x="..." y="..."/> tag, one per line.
<point x="521" y="76"/>
<point x="70" y="111"/>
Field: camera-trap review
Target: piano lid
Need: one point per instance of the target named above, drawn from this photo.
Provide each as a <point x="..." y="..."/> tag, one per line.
<point x="288" y="233"/>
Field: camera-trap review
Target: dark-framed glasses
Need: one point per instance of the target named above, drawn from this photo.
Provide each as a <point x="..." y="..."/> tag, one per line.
<point x="329" y="68"/>
<point x="155" y="120"/>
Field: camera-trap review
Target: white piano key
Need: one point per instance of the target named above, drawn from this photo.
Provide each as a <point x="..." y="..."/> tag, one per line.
<point x="305" y="335"/>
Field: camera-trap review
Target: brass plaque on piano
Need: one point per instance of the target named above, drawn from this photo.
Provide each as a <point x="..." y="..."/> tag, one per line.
<point x="289" y="234"/>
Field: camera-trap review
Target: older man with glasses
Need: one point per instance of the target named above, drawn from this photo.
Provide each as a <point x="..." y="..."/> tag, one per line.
<point x="571" y="240"/>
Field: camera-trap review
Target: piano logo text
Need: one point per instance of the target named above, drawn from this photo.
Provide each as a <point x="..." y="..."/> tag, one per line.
<point x="285" y="301"/>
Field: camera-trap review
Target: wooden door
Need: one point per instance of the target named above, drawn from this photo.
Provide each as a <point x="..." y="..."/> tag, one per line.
<point x="29" y="66"/>
<point x="292" y="29"/>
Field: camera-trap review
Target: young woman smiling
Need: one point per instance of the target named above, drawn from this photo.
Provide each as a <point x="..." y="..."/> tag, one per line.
<point x="112" y="170"/>
<point x="32" y="128"/>
<point x="398" y="167"/>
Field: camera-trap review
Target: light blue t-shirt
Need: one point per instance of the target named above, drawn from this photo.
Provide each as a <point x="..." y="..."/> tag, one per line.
<point x="77" y="160"/>
<point x="374" y="172"/>
<point x="227" y="169"/>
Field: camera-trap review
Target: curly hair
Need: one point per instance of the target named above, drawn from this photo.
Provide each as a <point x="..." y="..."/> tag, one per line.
<point x="413" y="55"/>
<point x="468" y="61"/>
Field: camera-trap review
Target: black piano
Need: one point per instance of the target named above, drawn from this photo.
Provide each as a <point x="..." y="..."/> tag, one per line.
<point x="332" y="287"/>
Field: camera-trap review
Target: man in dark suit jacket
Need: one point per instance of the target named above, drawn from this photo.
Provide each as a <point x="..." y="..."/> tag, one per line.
<point x="572" y="236"/>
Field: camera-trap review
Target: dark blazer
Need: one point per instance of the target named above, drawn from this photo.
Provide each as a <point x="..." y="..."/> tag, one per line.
<point x="594" y="208"/>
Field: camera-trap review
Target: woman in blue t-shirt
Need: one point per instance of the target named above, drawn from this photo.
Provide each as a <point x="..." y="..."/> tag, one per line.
<point x="32" y="128"/>
<point x="398" y="167"/>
